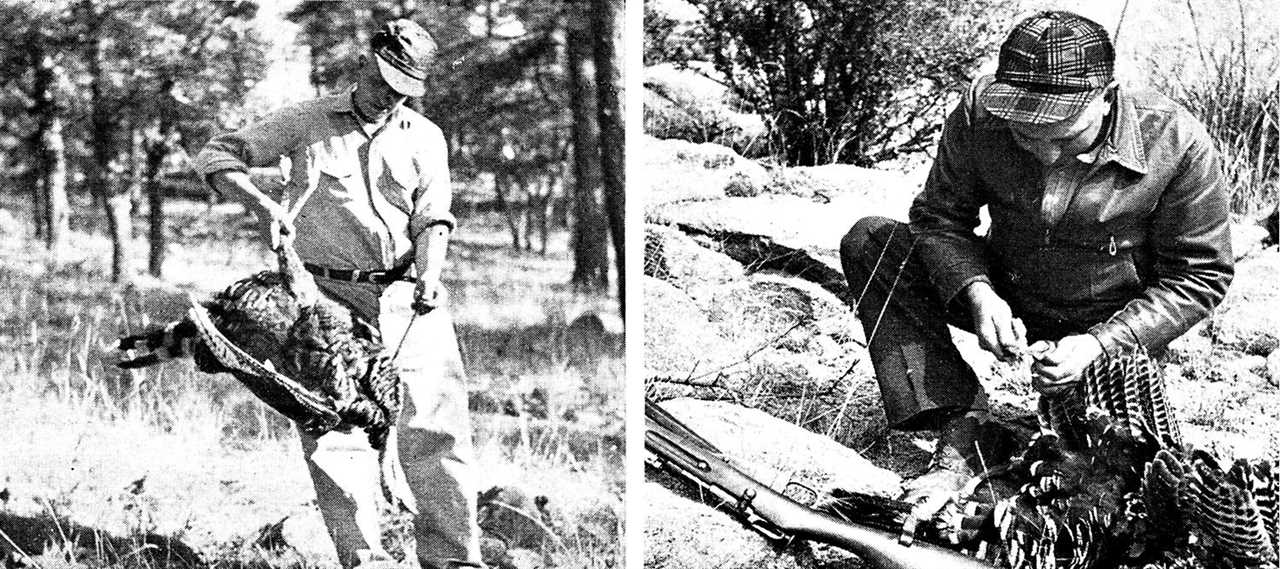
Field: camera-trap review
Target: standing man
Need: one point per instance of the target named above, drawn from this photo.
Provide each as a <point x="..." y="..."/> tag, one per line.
<point x="1109" y="231"/>
<point x="375" y="179"/>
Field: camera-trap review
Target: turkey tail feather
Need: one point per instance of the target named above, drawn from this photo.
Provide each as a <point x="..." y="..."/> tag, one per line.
<point x="171" y="342"/>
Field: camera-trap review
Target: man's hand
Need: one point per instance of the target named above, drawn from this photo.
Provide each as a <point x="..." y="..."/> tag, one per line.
<point x="998" y="331"/>
<point x="1058" y="367"/>
<point x="429" y="295"/>
<point x="239" y="185"/>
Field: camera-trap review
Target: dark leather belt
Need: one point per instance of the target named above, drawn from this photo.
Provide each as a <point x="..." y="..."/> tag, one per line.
<point x="360" y="276"/>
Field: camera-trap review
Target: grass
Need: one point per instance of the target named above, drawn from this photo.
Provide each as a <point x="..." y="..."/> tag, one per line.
<point x="216" y="466"/>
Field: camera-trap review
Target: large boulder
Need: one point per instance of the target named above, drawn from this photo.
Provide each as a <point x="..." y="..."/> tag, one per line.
<point x="677" y="335"/>
<point x="681" y="171"/>
<point x="680" y="532"/>
<point x="674" y="257"/>
<point x="1249" y="317"/>
<point x="777" y="452"/>
<point x="688" y="102"/>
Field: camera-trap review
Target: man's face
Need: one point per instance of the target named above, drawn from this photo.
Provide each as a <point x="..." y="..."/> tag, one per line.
<point x="1051" y="143"/>
<point x="375" y="97"/>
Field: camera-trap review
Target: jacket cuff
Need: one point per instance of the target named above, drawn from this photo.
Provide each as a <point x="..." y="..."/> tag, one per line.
<point x="953" y="279"/>
<point x="1114" y="335"/>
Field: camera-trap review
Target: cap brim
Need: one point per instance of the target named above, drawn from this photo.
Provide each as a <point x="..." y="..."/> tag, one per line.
<point x="1022" y="105"/>
<point x="400" y="81"/>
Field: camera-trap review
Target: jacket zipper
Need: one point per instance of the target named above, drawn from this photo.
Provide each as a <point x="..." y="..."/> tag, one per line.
<point x="1111" y="247"/>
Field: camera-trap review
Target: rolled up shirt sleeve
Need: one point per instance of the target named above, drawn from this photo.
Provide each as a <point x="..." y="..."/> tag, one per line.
<point x="434" y="196"/>
<point x="945" y="213"/>
<point x="257" y="145"/>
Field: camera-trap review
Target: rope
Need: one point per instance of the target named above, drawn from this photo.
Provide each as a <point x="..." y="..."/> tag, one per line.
<point x="404" y="337"/>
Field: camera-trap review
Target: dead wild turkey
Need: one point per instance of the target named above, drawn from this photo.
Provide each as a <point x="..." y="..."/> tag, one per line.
<point x="300" y="352"/>
<point x="1107" y="484"/>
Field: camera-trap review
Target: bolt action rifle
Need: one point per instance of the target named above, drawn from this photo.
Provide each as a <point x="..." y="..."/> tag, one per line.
<point x="777" y="517"/>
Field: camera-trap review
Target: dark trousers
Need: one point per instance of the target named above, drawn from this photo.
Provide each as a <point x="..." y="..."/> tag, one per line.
<point x="921" y="374"/>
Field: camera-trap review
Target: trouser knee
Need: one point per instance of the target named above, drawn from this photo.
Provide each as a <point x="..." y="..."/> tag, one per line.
<point x="861" y="247"/>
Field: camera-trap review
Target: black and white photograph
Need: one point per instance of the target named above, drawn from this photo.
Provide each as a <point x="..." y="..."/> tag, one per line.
<point x="931" y="283"/>
<point x="298" y="284"/>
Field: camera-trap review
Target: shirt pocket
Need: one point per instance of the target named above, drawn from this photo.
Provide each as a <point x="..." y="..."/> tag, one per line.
<point x="337" y="177"/>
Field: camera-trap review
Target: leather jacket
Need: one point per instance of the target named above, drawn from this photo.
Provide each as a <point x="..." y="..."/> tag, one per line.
<point x="1130" y="242"/>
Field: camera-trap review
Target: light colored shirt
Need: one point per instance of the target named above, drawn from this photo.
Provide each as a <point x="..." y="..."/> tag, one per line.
<point x="373" y="195"/>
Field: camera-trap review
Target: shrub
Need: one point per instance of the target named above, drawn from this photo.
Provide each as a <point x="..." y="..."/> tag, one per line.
<point x="851" y="81"/>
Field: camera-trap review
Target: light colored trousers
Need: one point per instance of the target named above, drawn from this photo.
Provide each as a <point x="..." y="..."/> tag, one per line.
<point x="435" y="441"/>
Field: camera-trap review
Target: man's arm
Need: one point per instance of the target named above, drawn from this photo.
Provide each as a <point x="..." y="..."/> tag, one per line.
<point x="945" y="213"/>
<point x="225" y="160"/>
<point x="943" y="218"/>
<point x="1191" y="240"/>
<point x="431" y="225"/>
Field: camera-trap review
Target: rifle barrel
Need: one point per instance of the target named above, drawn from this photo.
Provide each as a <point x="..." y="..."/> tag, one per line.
<point x="697" y="459"/>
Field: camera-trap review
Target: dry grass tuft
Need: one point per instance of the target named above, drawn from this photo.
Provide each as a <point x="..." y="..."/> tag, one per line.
<point x="168" y="453"/>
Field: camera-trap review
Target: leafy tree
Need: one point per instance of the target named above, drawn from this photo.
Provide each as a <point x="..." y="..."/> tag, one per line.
<point x="119" y="89"/>
<point x="502" y="90"/>
<point x="851" y="81"/>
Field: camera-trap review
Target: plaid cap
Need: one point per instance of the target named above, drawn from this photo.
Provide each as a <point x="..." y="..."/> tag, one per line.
<point x="1050" y="67"/>
<point x="403" y="49"/>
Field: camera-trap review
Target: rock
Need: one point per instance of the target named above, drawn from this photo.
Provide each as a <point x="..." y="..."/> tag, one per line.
<point x="678" y="338"/>
<point x="1249" y="317"/>
<point x="777" y="452"/>
<point x="1247" y="239"/>
<point x="1194" y="344"/>
<point x="872" y="192"/>
<point x="690" y="102"/>
<point x="680" y="533"/>
<point x="676" y="258"/>
<point x="519" y="520"/>
<point x="682" y="171"/>
<point x="1273" y="367"/>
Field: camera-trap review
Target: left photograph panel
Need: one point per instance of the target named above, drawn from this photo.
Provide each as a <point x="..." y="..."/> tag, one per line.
<point x="294" y="284"/>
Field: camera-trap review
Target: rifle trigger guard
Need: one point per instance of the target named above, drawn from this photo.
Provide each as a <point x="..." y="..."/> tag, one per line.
<point x="744" y="501"/>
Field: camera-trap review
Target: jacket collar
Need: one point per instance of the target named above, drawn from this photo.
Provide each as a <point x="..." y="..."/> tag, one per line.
<point x="1124" y="144"/>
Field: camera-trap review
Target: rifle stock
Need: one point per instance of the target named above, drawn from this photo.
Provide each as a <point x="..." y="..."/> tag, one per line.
<point x="775" y="515"/>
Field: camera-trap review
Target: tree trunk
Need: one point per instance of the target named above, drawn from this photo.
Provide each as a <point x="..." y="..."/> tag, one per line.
<point x="609" y="16"/>
<point x="51" y="159"/>
<point x="102" y="178"/>
<point x="590" y="245"/>
<point x="155" y="154"/>
<point x="57" y="208"/>
<point x="501" y="185"/>
<point x="137" y="167"/>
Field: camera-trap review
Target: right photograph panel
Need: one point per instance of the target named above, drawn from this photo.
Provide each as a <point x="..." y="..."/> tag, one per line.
<point x="938" y="284"/>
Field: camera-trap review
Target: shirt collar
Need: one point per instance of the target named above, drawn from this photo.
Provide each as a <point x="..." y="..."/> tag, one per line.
<point x="341" y="103"/>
